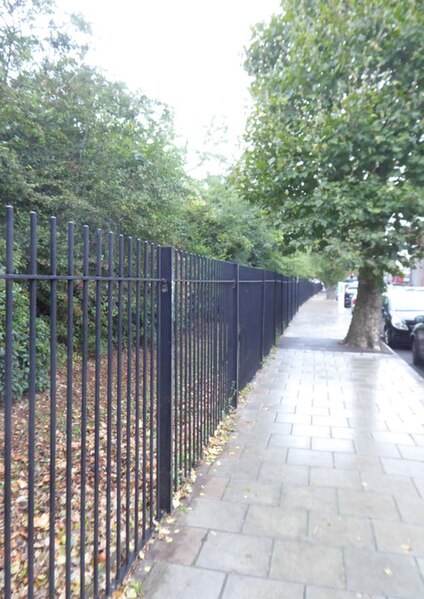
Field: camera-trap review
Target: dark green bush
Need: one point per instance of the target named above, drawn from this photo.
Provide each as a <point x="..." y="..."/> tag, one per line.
<point x="20" y="383"/>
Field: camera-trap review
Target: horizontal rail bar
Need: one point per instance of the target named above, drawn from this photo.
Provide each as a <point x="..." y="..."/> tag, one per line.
<point x="228" y="281"/>
<point x="30" y="277"/>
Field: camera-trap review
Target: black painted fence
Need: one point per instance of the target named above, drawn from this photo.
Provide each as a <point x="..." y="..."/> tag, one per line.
<point x="118" y="360"/>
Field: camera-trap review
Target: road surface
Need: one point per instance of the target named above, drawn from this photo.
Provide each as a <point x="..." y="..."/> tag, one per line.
<point x="406" y="354"/>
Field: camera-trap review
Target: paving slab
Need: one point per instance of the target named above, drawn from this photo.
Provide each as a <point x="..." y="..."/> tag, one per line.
<point x="319" y="493"/>
<point x="219" y="515"/>
<point x="309" y="563"/>
<point x="248" y="587"/>
<point x="383" y="573"/>
<point x="241" y="553"/>
<point x="182" y="582"/>
<point x="275" y="522"/>
<point x="326" y="593"/>
<point x="343" y="531"/>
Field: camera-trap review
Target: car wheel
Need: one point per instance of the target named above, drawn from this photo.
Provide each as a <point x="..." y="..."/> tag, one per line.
<point x="417" y="359"/>
<point x="388" y="336"/>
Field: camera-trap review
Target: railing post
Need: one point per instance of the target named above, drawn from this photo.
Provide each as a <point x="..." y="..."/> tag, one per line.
<point x="165" y="378"/>
<point x="263" y="316"/>
<point x="274" y="275"/>
<point x="236" y="334"/>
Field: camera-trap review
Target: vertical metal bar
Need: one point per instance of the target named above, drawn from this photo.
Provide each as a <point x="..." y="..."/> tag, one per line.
<point x="281" y="291"/>
<point x="222" y="293"/>
<point x="84" y="381"/>
<point x="215" y="345"/>
<point x="222" y="343"/>
<point x="205" y="351"/>
<point x="186" y="362"/>
<point x="145" y="331"/>
<point x="228" y="348"/>
<point x="194" y="361"/>
<point x="202" y="348"/>
<point x="211" y="349"/>
<point x="31" y="399"/>
<point x="227" y="372"/>
<point x="53" y="366"/>
<point x="212" y="346"/>
<point x="204" y="370"/>
<point x="208" y="347"/>
<point x="274" y="296"/>
<point x="176" y="358"/>
<point x="158" y="287"/>
<point x="190" y="363"/>
<point x="200" y="355"/>
<point x="128" y="406"/>
<point x="69" y="408"/>
<point x="263" y="316"/>
<point x="196" y="391"/>
<point x="119" y="406"/>
<point x="181" y="360"/>
<point x="152" y="381"/>
<point x="8" y="404"/>
<point x="137" y="393"/>
<point x="99" y="243"/>
<point x="109" y="417"/>
<point x="165" y="380"/>
<point x="219" y="348"/>
<point x="236" y="326"/>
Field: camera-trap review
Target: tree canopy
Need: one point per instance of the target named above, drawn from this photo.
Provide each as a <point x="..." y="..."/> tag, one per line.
<point x="335" y="139"/>
<point x="77" y="145"/>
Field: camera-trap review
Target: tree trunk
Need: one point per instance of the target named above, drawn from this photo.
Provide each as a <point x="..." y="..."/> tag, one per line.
<point x="365" y="327"/>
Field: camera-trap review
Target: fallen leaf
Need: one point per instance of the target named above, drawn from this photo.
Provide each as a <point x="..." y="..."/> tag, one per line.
<point x="406" y="547"/>
<point x="42" y="522"/>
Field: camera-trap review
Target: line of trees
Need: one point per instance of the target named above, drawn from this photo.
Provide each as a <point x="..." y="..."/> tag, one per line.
<point x="332" y="178"/>
<point x="336" y="137"/>
<point x="87" y="149"/>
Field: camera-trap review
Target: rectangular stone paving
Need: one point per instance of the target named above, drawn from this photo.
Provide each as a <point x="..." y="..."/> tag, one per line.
<point x="319" y="493"/>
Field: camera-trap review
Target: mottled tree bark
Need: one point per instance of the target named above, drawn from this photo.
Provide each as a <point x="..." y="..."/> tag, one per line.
<point x="365" y="327"/>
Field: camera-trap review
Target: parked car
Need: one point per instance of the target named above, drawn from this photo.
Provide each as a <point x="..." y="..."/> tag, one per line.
<point x="350" y="291"/>
<point x="417" y="338"/>
<point x="402" y="309"/>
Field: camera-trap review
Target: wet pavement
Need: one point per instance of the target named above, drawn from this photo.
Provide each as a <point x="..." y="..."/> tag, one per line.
<point x="319" y="493"/>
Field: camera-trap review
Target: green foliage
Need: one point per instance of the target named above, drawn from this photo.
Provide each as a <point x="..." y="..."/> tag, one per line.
<point x="223" y="225"/>
<point x="309" y="264"/>
<point x="21" y="359"/>
<point x="335" y="141"/>
<point x="73" y="143"/>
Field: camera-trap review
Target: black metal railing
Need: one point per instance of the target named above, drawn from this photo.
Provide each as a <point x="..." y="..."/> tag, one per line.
<point x="118" y="359"/>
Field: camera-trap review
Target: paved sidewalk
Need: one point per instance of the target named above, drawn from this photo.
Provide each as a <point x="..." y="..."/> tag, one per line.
<point x="319" y="493"/>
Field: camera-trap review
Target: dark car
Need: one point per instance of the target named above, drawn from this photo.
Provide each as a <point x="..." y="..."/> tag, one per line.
<point x="351" y="290"/>
<point x="402" y="309"/>
<point x="417" y="337"/>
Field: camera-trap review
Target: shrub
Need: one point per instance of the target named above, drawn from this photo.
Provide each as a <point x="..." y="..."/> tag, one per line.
<point x="21" y="359"/>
